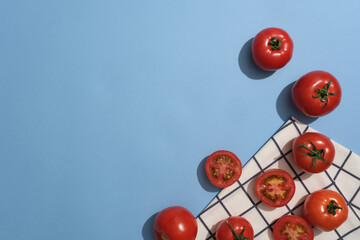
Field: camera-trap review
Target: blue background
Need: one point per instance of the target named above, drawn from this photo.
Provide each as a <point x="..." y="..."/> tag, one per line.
<point x="109" y="108"/>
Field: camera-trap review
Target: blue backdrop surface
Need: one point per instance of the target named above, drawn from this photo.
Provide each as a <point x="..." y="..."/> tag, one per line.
<point x="109" y="108"/>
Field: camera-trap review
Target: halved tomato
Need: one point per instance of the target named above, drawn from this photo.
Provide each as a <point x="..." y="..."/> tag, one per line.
<point x="292" y="227"/>
<point x="275" y="187"/>
<point x="223" y="168"/>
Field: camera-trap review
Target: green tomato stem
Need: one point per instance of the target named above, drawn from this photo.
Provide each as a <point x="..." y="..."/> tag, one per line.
<point x="237" y="236"/>
<point x="314" y="153"/>
<point x="332" y="207"/>
<point x="323" y="93"/>
<point x="275" y="43"/>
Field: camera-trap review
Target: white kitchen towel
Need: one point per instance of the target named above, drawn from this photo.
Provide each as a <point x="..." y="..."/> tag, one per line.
<point x="240" y="199"/>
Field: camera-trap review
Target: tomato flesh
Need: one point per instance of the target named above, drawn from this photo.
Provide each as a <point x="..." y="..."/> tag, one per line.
<point x="223" y="168"/>
<point x="275" y="187"/>
<point x="292" y="227"/>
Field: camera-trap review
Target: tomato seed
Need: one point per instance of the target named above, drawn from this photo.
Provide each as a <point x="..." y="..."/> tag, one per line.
<point x="274" y="180"/>
<point x="228" y="174"/>
<point x="215" y="172"/>
<point x="292" y="233"/>
<point x="224" y="160"/>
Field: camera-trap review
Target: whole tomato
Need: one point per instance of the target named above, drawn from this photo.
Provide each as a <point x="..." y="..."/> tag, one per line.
<point x="272" y="49"/>
<point x="313" y="152"/>
<point x="316" y="93"/>
<point x="235" y="227"/>
<point x="175" y="223"/>
<point x="325" y="209"/>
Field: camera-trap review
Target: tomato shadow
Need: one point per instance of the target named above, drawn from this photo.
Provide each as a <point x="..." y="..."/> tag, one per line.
<point x="317" y="231"/>
<point x="250" y="189"/>
<point x="203" y="179"/>
<point x="270" y="234"/>
<point x="286" y="108"/>
<point x="147" y="230"/>
<point x="266" y="208"/>
<point x="247" y="64"/>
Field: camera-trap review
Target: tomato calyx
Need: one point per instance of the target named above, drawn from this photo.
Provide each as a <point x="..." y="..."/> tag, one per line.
<point x="323" y="93"/>
<point x="275" y="43"/>
<point x="332" y="207"/>
<point x="239" y="236"/>
<point x="314" y="153"/>
<point x="164" y="237"/>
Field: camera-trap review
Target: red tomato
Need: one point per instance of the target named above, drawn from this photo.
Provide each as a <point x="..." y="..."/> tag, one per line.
<point x="175" y="223"/>
<point x="292" y="227"/>
<point x="316" y="93"/>
<point x="325" y="209"/>
<point x="234" y="228"/>
<point x="275" y="187"/>
<point x="272" y="49"/>
<point x="223" y="168"/>
<point x="313" y="152"/>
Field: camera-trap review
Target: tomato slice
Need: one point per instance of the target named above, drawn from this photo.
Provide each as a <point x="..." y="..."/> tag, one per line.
<point x="275" y="187"/>
<point x="223" y="168"/>
<point x="291" y="227"/>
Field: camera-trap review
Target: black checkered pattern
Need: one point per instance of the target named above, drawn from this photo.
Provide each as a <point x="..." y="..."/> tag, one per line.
<point x="240" y="198"/>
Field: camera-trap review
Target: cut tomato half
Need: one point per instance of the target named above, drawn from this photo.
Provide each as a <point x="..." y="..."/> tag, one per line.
<point x="275" y="187"/>
<point x="223" y="168"/>
<point x="292" y="227"/>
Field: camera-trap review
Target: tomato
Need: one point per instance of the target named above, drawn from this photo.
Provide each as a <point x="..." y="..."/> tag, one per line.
<point x="292" y="227"/>
<point x="234" y="228"/>
<point x="175" y="223"/>
<point x="316" y="93"/>
<point x="275" y="187"/>
<point x="272" y="49"/>
<point x="313" y="152"/>
<point x="325" y="209"/>
<point x="223" y="168"/>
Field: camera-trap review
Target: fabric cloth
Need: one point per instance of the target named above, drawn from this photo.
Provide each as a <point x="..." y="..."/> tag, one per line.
<point x="240" y="199"/>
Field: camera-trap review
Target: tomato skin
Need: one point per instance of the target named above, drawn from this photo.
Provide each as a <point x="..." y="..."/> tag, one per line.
<point x="305" y="162"/>
<point x="175" y="223"/>
<point x="282" y="181"/>
<point x="224" y="232"/>
<point x="267" y="58"/>
<point x="316" y="213"/>
<point x="218" y="178"/>
<point x="305" y="88"/>
<point x="292" y="225"/>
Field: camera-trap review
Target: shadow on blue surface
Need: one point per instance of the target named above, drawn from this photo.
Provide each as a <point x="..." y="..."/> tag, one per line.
<point x="147" y="230"/>
<point x="203" y="179"/>
<point x="247" y="64"/>
<point x="286" y="108"/>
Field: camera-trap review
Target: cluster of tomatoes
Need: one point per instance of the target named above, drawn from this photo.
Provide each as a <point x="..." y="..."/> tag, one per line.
<point x="315" y="94"/>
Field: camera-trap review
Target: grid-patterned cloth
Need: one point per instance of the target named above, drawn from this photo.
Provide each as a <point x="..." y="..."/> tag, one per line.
<point x="240" y="199"/>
